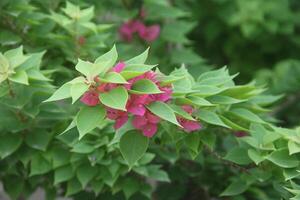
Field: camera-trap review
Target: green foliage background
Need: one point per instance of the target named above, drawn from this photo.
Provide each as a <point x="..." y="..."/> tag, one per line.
<point x="259" y="39"/>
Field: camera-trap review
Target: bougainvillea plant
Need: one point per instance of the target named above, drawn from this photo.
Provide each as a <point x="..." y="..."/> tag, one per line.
<point x="137" y="99"/>
<point x="122" y="129"/>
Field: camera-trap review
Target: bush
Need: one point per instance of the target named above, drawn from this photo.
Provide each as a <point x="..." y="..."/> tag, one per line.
<point x="87" y="113"/>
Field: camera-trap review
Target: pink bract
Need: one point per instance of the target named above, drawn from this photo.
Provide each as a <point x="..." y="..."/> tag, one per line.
<point x="188" y="125"/>
<point x="240" y="134"/>
<point x="90" y="98"/>
<point x="146" y="123"/>
<point x="149" y="33"/>
<point x="119" y="67"/>
<point x="136" y="104"/>
<point x="127" y="29"/>
<point x="120" y="117"/>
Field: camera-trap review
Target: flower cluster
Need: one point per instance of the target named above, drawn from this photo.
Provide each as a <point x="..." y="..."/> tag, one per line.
<point x="136" y="105"/>
<point x="188" y="125"/>
<point x="136" y="26"/>
<point x="146" y="33"/>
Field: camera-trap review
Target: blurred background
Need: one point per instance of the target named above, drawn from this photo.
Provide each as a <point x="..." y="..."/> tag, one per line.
<point x="259" y="39"/>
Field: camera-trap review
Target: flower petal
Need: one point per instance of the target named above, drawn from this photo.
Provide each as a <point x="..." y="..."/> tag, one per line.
<point x="90" y="98"/>
<point x="120" y="122"/>
<point x="189" y="125"/>
<point x="139" y="121"/>
<point x="137" y="109"/>
<point x="149" y="129"/>
<point x="119" y="67"/>
<point x="150" y="33"/>
<point x="152" y="118"/>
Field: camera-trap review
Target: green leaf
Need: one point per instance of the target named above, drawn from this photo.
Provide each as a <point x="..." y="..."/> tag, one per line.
<point x="282" y="158"/>
<point x="238" y="155"/>
<point x="9" y="143"/>
<point x="144" y="86"/>
<point x="73" y="187"/>
<point x="15" y="57"/>
<point x="4" y="64"/>
<point x="192" y="142"/>
<point x="235" y="188"/>
<point x="38" y="139"/>
<point x="206" y="90"/>
<point x="19" y="77"/>
<point x="199" y="101"/>
<point x="290" y="173"/>
<point x="211" y="118"/>
<point x="255" y="156"/>
<point x="134" y="70"/>
<point x="85" y="173"/>
<point x="133" y="145"/>
<point x="83" y="147"/>
<point x="130" y="186"/>
<point x="115" y="98"/>
<point x="293" y="147"/>
<point x="219" y="99"/>
<point x="39" y="165"/>
<point x="140" y="59"/>
<point x="179" y="111"/>
<point x="247" y="115"/>
<point x="13" y="185"/>
<point x="113" y="77"/>
<point x="71" y="125"/>
<point x="88" y="118"/>
<point x="107" y="60"/>
<point x="77" y="90"/>
<point x="62" y="93"/>
<point x="163" y="111"/>
<point x="63" y="174"/>
<point x="84" y="67"/>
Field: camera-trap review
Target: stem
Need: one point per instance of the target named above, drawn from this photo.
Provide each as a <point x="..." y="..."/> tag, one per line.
<point x="11" y="92"/>
<point x="226" y="162"/>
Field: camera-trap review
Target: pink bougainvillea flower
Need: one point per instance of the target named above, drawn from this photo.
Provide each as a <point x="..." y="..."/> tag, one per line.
<point x="150" y="75"/>
<point x="146" y="123"/>
<point x="127" y="29"/>
<point x="149" y="33"/>
<point x="119" y="67"/>
<point x="164" y="96"/>
<point x="188" y="125"/>
<point x="136" y="104"/>
<point x="120" y="117"/>
<point x="105" y="87"/>
<point x="90" y="98"/>
<point x="240" y="134"/>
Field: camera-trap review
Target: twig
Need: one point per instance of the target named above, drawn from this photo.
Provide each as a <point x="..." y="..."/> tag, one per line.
<point x="226" y="162"/>
<point x="11" y="92"/>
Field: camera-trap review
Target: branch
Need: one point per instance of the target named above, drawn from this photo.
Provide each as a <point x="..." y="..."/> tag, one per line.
<point x="226" y="162"/>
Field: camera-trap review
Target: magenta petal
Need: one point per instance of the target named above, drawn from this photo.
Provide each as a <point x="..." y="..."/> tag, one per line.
<point x="120" y="121"/>
<point x="165" y="96"/>
<point x="189" y="125"/>
<point x="126" y="32"/>
<point x="152" y="118"/>
<point x="187" y="108"/>
<point x="112" y="113"/>
<point x="137" y="109"/>
<point x="150" y="33"/>
<point x="136" y="26"/>
<point x="119" y="67"/>
<point x="149" y="129"/>
<point x="90" y="98"/>
<point x="139" y="121"/>
<point x="240" y="134"/>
